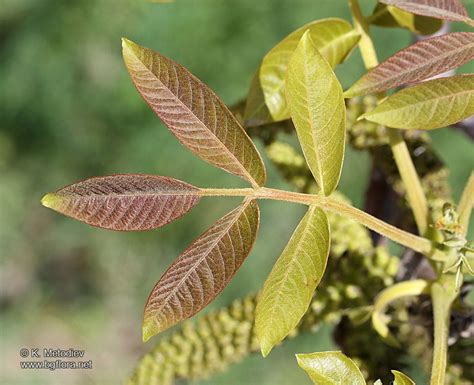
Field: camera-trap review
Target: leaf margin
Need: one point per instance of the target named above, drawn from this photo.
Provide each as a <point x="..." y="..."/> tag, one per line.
<point x="311" y="153"/>
<point x="419" y="126"/>
<point x="291" y="255"/>
<point x="58" y="199"/>
<point x="358" y="88"/>
<point x="460" y="14"/>
<point x="150" y="327"/>
<point x="256" y="179"/>
<point x="303" y="363"/>
<point x="260" y="77"/>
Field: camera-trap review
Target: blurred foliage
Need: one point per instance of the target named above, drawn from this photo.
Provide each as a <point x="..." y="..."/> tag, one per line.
<point x="69" y="111"/>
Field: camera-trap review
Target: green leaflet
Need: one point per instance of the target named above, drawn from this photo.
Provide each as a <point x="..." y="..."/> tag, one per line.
<point x="318" y="111"/>
<point x="334" y="38"/>
<point x="330" y="368"/>
<point x="428" y="105"/>
<point x="289" y="288"/>
<point x="389" y="16"/>
<point x="402" y="379"/>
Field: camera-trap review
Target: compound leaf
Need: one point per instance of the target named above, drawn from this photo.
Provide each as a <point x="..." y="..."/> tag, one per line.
<point x="440" y="9"/>
<point x="289" y="288"/>
<point x="428" y="105"/>
<point x="389" y="16"/>
<point x="318" y="112"/>
<point x="203" y="270"/>
<point x="419" y="61"/>
<point x="193" y="113"/>
<point x="125" y="202"/>
<point x="402" y="379"/>
<point x="334" y="38"/>
<point x="330" y="368"/>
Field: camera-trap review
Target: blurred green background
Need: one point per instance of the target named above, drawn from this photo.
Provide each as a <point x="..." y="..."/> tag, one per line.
<point x="69" y="111"/>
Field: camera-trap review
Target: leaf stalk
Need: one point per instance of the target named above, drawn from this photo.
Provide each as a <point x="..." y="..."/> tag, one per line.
<point x="419" y="244"/>
<point x="414" y="189"/>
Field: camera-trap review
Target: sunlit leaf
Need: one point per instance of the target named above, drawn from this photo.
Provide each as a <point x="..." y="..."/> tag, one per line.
<point x="428" y="105"/>
<point x="400" y="290"/>
<point x="441" y="9"/>
<point x="193" y="113"/>
<point x="318" y="112"/>
<point x="402" y="379"/>
<point x="418" y="24"/>
<point x="330" y="368"/>
<point x="125" y="202"/>
<point x="204" y="269"/>
<point x="389" y="16"/>
<point x="419" y="61"/>
<point x="334" y="38"/>
<point x="290" y="286"/>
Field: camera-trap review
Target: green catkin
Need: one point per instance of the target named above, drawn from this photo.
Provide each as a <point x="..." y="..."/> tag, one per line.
<point x="364" y="135"/>
<point x="290" y="164"/>
<point x="201" y="348"/>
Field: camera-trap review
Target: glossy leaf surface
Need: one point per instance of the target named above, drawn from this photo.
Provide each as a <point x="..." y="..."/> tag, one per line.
<point x="417" y="62"/>
<point x="193" y="113"/>
<point x="389" y="16"/>
<point x="334" y="38"/>
<point x="318" y="112"/>
<point x="330" y="368"/>
<point x="401" y="378"/>
<point x="441" y="9"/>
<point x="204" y="269"/>
<point x="125" y="202"/>
<point x="428" y="105"/>
<point x="289" y="288"/>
